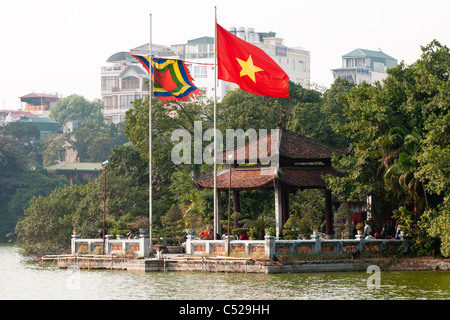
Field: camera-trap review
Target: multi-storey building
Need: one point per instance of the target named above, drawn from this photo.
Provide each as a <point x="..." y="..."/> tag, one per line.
<point x="124" y="78"/>
<point x="198" y="55"/>
<point x="294" y="61"/>
<point x="364" y="65"/>
<point x="122" y="82"/>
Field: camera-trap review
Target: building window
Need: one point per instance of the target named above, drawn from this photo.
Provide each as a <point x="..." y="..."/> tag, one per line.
<point x="200" y="72"/>
<point x="130" y="83"/>
<point x="110" y="102"/>
<point x="126" y="101"/>
<point x="109" y="82"/>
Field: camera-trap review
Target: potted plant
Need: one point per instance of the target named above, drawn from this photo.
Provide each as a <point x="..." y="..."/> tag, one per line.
<point x="174" y="246"/>
<point x="360" y="228"/>
<point x="253" y="233"/>
<point x="270" y="231"/>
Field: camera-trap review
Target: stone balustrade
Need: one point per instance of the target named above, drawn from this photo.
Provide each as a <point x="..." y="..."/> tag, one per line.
<point x="270" y="246"/>
<point x="141" y="246"/>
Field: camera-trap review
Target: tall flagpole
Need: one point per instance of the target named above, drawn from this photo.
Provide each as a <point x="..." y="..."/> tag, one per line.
<point x="150" y="175"/>
<point x="216" y="216"/>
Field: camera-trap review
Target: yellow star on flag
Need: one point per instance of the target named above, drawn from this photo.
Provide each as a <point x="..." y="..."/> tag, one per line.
<point x="248" y="68"/>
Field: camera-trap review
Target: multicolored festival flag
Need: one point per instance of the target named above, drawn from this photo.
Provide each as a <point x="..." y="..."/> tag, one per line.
<point x="249" y="67"/>
<point x="171" y="79"/>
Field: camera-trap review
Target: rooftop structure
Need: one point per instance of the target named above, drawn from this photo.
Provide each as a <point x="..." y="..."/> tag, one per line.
<point x="77" y="172"/>
<point x="39" y="103"/>
<point x="7" y="116"/>
<point x="44" y="124"/>
<point x="362" y="65"/>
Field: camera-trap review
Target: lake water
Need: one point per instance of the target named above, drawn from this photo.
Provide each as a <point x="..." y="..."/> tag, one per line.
<point x="23" y="280"/>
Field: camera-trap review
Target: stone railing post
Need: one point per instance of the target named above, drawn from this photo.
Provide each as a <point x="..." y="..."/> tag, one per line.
<point x="228" y="240"/>
<point x="144" y="245"/>
<point x="360" y="243"/>
<point x="269" y="246"/>
<point x="75" y="237"/>
<point x="316" y="246"/>
<point x="189" y="244"/>
<point x="108" y="247"/>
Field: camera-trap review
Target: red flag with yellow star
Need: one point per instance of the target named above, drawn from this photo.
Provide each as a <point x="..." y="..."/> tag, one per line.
<point x="249" y="67"/>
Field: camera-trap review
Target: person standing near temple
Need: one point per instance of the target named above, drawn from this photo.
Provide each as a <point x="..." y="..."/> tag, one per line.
<point x="367" y="229"/>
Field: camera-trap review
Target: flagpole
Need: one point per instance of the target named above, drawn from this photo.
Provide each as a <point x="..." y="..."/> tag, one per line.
<point x="216" y="218"/>
<point x="150" y="175"/>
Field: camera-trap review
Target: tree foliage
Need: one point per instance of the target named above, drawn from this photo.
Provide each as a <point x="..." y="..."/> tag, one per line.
<point x="77" y="108"/>
<point x="401" y="131"/>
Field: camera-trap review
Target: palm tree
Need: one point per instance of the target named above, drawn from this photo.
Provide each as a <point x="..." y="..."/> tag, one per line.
<point x="398" y="167"/>
<point x="261" y="223"/>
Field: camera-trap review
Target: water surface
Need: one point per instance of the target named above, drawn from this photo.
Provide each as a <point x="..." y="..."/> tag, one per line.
<point x="23" y="280"/>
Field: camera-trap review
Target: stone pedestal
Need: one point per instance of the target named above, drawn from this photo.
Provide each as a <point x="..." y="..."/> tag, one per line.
<point x="359" y="237"/>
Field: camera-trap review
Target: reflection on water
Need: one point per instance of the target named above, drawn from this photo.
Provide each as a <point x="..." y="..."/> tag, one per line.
<point x="22" y="280"/>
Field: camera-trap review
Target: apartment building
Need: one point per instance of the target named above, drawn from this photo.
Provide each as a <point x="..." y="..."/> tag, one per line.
<point x="124" y="80"/>
<point x="294" y="61"/>
<point x="362" y="65"/>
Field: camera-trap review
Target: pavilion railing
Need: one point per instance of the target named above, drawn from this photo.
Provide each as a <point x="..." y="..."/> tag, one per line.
<point x="140" y="247"/>
<point x="271" y="246"/>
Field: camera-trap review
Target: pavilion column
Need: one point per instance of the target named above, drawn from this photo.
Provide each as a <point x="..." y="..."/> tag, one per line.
<point x="328" y="215"/>
<point x="278" y="209"/>
<point x="285" y="205"/>
<point x="236" y="201"/>
<point x="217" y="228"/>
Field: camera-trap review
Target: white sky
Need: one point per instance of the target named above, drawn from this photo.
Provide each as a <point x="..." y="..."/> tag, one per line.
<point x="60" y="45"/>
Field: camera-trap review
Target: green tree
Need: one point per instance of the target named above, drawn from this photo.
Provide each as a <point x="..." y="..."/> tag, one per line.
<point x="52" y="147"/>
<point x="400" y="128"/>
<point x="23" y="131"/>
<point x="11" y="165"/>
<point x="49" y="220"/>
<point x="77" y="108"/>
<point x="35" y="183"/>
<point x="173" y="225"/>
<point x="342" y="222"/>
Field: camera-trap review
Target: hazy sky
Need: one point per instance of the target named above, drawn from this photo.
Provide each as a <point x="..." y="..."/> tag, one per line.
<point x="60" y="45"/>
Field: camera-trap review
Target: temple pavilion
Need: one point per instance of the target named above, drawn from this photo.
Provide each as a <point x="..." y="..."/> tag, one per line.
<point x="297" y="162"/>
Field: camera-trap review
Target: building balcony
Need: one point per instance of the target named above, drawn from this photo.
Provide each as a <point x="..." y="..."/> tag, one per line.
<point x="36" y="108"/>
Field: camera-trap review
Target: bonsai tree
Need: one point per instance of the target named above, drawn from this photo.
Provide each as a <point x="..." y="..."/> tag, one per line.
<point x="342" y="221"/>
<point x="173" y="224"/>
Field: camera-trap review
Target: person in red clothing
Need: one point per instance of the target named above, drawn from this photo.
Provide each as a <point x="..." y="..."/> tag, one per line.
<point x="207" y="234"/>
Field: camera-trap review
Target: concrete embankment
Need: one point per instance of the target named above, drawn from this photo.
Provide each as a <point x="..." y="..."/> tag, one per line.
<point x="186" y="263"/>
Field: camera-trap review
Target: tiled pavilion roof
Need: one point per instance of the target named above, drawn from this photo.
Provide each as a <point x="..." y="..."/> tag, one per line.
<point x="292" y="149"/>
<point x="257" y="177"/>
<point x="242" y="178"/>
